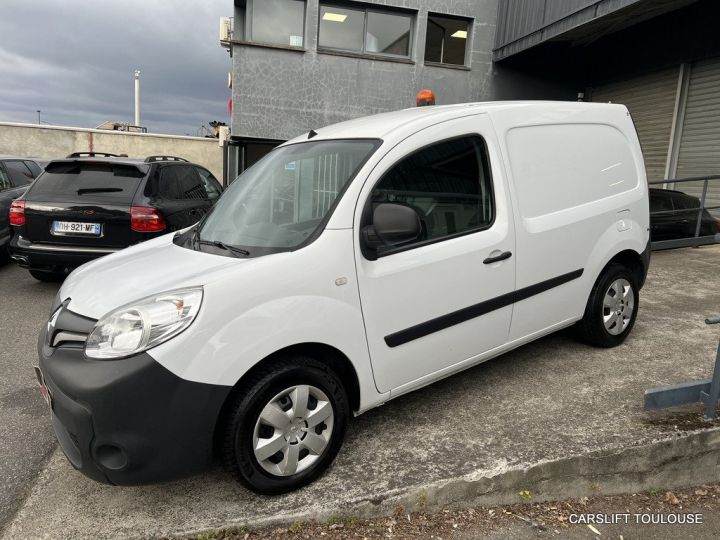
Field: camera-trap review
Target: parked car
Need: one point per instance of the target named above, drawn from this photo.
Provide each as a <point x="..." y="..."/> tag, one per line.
<point x="349" y="266"/>
<point x="91" y="204"/>
<point x="674" y="214"/>
<point x="16" y="174"/>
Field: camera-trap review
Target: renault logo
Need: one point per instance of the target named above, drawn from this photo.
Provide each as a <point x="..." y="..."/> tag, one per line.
<point x="51" y="325"/>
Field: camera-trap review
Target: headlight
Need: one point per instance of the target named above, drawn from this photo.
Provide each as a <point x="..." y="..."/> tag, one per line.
<point x="137" y="327"/>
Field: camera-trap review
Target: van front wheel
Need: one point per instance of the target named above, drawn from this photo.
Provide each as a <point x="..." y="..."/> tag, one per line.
<point x="611" y="309"/>
<point x="285" y="426"/>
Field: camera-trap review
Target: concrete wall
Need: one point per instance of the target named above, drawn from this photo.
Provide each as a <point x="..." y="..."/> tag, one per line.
<point x="53" y="142"/>
<point x="279" y="93"/>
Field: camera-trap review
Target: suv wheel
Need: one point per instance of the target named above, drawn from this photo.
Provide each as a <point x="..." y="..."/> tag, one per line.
<point x="285" y="426"/>
<point x="611" y="309"/>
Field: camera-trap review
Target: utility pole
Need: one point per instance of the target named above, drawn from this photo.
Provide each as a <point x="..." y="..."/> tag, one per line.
<point x="38" y="111"/>
<point x="137" y="97"/>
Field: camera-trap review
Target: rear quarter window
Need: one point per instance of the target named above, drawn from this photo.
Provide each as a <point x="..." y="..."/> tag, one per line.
<point x="562" y="166"/>
<point x="87" y="182"/>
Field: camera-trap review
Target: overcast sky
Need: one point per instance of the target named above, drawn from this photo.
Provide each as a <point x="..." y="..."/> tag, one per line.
<point x="74" y="60"/>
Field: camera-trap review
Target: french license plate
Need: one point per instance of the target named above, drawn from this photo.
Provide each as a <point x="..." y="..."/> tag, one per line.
<point x="44" y="390"/>
<point x="76" y="227"/>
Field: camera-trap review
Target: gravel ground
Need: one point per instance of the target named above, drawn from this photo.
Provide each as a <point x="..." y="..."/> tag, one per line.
<point x="523" y="520"/>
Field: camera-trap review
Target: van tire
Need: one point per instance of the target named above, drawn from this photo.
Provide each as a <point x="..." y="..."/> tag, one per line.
<point x="243" y="413"/>
<point x="592" y="328"/>
<point x="47" y="277"/>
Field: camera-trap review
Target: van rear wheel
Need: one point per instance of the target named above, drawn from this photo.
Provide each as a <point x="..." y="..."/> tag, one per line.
<point x="611" y="309"/>
<point x="285" y="426"/>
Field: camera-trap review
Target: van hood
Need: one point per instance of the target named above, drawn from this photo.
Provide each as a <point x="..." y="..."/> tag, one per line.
<point x="155" y="266"/>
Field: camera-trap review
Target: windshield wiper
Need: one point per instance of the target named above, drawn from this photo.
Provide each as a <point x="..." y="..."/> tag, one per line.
<point x="82" y="191"/>
<point x="218" y="244"/>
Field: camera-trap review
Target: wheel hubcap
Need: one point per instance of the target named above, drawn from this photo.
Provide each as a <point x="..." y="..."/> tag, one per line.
<point x="293" y="430"/>
<point x="618" y="306"/>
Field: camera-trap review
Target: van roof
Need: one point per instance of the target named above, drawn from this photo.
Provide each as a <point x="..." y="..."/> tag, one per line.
<point x="399" y="124"/>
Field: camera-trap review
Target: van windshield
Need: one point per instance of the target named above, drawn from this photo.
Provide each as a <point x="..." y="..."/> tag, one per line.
<point x="283" y="200"/>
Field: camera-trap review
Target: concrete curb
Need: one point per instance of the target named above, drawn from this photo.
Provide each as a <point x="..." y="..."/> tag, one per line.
<point x="685" y="460"/>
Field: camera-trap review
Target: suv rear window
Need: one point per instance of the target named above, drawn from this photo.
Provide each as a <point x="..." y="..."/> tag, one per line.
<point x="91" y="182"/>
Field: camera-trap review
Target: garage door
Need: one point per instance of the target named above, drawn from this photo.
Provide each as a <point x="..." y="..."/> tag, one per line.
<point x="651" y="101"/>
<point x="700" y="143"/>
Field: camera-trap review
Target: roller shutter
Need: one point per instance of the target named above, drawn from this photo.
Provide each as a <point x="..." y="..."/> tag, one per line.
<point x="700" y="143"/>
<point x="651" y="101"/>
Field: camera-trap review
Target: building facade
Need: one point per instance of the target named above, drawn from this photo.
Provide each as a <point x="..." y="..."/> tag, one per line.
<point x="303" y="64"/>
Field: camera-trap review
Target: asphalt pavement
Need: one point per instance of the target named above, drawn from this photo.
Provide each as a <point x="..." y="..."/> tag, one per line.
<point x="26" y="438"/>
<point x="555" y="417"/>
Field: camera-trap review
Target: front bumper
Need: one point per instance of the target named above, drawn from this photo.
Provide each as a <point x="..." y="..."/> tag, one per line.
<point x="128" y="421"/>
<point x="51" y="257"/>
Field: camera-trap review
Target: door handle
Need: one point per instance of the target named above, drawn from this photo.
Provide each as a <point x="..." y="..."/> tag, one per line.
<point x="497" y="258"/>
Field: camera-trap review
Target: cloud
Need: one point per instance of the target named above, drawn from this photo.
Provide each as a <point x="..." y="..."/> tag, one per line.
<point x="74" y="60"/>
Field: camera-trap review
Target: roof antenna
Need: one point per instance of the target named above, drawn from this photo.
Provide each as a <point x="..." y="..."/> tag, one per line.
<point x="312" y="134"/>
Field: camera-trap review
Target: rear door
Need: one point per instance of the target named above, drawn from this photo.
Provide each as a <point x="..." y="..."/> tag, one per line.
<point x="438" y="302"/>
<point x="663" y="223"/>
<point x="83" y="203"/>
<point x="687" y="209"/>
<point x="181" y="196"/>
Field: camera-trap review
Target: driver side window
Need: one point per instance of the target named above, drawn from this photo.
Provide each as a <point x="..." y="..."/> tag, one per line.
<point x="447" y="184"/>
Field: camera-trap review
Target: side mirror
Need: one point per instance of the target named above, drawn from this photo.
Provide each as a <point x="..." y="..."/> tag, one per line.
<point x="393" y="225"/>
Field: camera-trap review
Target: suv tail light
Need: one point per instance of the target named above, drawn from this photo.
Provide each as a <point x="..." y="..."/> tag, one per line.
<point x="17" y="213"/>
<point x="146" y="219"/>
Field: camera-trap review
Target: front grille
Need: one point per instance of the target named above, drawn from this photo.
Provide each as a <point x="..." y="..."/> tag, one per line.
<point x="68" y="329"/>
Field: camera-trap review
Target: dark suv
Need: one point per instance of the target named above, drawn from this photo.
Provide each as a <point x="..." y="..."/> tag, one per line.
<point x="674" y="214"/>
<point x="16" y="174"/>
<point x="91" y="204"/>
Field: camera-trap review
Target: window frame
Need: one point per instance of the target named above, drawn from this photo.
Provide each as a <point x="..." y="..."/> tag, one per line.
<point x="5" y="179"/>
<point x="28" y="163"/>
<point x="10" y="175"/>
<point x="165" y="169"/>
<point x="211" y="178"/>
<point x="366" y="8"/>
<point x="468" y="49"/>
<point x="248" y="29"/>
<point x="367" y="211"/>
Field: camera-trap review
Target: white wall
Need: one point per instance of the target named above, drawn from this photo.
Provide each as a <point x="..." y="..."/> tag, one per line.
<point x="54" y="142"/>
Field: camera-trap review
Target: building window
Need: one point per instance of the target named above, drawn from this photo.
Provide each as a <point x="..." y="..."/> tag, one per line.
<point x="365" y="31"/>
<point x="448" y="184"/>
<point x="446" y="41"/>
<point x="280" y="22"/>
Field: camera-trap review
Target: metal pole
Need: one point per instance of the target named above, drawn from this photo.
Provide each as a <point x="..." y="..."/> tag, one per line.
<point x="38" y="111"/>
<point x="702" y="207"/>
<point x="712" y="398"/>
<point x="137" y="97"/>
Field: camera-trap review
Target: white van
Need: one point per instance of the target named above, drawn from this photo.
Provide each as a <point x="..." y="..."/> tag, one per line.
<point x="351" y="265"/>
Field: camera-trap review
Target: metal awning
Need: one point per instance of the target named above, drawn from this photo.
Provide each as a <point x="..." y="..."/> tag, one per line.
<point x="523" y="24"/>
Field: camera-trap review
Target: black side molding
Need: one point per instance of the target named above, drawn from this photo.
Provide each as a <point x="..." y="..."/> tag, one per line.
<point x="477" y="310"/>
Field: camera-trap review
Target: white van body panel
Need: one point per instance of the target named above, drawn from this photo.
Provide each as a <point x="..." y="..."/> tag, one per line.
<point x="327" y="292"/>
<point x="414" y="286"/>
<point x="573" y="175"/>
